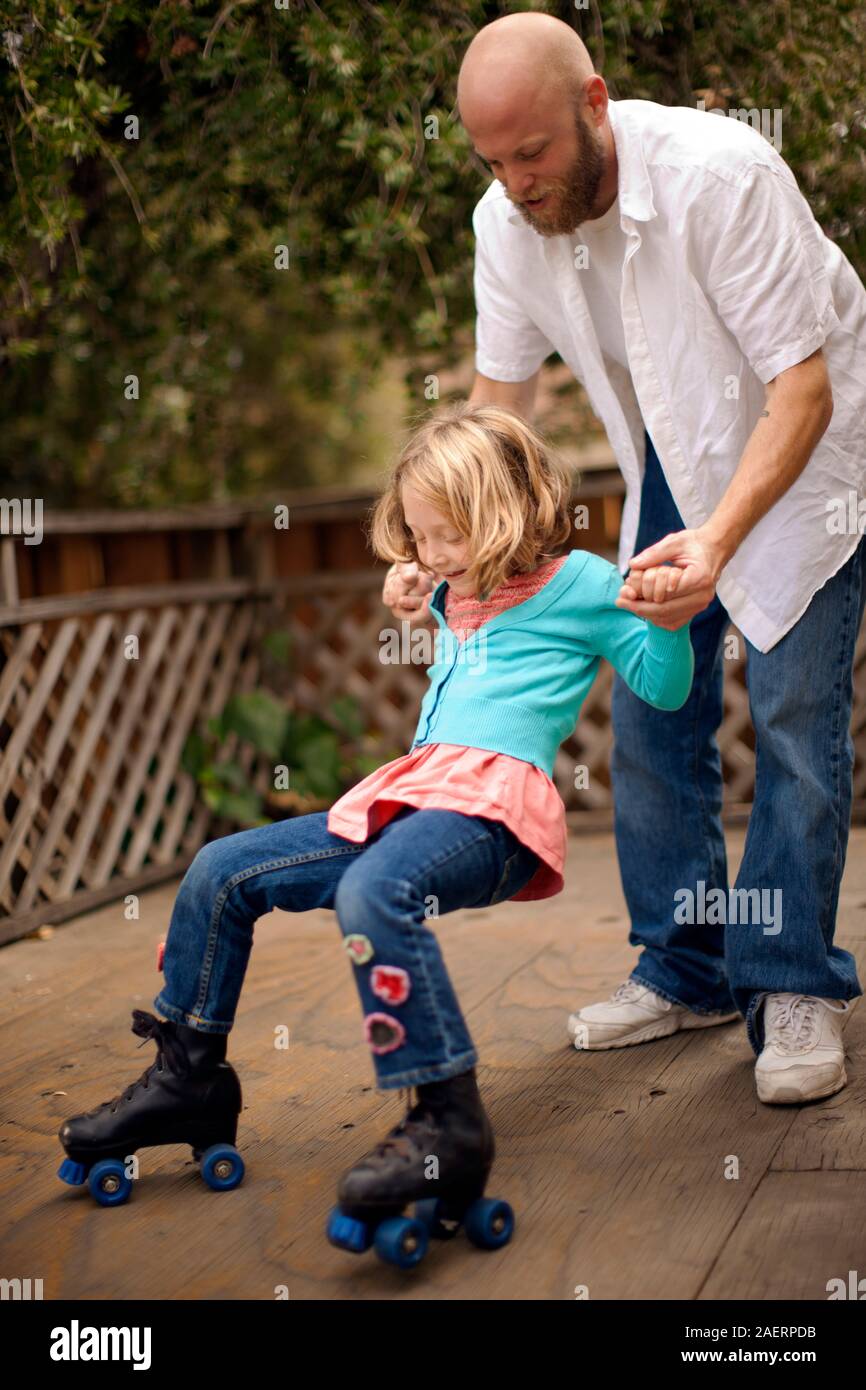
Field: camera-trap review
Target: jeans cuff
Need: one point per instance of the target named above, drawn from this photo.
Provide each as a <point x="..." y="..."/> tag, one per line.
<point x="176" y="1015"/>
<point x="672" y="998"/>
<point x="420" y="1076"/>
<point x="754" y="1030"/>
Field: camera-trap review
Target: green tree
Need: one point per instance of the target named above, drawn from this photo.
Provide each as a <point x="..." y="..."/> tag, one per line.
<point x="160" y="155"/>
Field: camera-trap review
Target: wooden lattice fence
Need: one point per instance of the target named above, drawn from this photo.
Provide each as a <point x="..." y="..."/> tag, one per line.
<point x="99" y="691"/>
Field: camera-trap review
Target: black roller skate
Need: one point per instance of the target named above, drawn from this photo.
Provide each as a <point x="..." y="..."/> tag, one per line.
<point x="190" y="1095"/>
<point x="438" y="1157"/>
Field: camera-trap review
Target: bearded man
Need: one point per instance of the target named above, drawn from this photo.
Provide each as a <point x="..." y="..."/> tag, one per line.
<point x="669" y="257"/>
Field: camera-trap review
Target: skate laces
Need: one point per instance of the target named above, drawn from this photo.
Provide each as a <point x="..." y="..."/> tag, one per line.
<point x="794" y="1022"/>
<point x="147" y="1026"/>
<point x="403" y="1138"/>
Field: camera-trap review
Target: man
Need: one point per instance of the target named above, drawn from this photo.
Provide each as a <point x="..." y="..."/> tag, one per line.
<point x="669" y="257"/>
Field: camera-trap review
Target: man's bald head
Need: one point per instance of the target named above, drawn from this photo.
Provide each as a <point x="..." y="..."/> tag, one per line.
<point x="516" y="53"/>
<point x="536" y="112"/>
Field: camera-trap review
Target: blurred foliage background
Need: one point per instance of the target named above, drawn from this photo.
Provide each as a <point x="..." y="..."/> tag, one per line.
<point x="158" y="155"/>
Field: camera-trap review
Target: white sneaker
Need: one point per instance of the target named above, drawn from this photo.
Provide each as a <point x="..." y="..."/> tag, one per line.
<point x="634" y="1014"/>
<point x="803" y="1057"/>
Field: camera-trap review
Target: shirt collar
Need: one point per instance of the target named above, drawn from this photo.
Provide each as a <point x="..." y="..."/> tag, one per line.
<point x="634" y="186"/>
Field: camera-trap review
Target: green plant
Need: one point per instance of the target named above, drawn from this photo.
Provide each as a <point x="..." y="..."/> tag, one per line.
<point x="320" y="755"/>
<point x="155" y="156"/>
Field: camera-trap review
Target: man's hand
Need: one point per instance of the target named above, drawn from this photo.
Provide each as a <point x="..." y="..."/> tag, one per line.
<point x="406" y="592"/>
<point x="672" y="581"/>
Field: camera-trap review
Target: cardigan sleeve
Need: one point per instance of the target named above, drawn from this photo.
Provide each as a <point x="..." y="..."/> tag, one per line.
<point x="656" y="664"/>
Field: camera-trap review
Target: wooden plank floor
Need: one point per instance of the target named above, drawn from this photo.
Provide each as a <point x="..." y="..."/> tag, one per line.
<point x="614" y="1161"/>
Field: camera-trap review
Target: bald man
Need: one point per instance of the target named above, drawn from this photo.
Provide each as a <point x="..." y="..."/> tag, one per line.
<point x="668" y="256"/>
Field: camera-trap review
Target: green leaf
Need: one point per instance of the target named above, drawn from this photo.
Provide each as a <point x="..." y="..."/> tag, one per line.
<point x="319" y="761"/>
<point x="258" y="718"/>
<point x="246" y="810"/>
<point x="228" y="775"/>
<point x="193" y="756"/>
<point x="347" y="713"/>
<point x="278" y="646"/>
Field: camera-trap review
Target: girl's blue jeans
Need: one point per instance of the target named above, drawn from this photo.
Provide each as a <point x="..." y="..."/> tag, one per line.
<point x="667" y="783"/>
<point x="387" y="892"/>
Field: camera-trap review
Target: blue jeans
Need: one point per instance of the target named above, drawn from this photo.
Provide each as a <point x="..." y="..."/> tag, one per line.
<point x="667" y="785"/>
<point x="387" y="893"/>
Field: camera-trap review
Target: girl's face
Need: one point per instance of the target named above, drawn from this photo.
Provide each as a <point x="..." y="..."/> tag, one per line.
<point x="439" y="543"/>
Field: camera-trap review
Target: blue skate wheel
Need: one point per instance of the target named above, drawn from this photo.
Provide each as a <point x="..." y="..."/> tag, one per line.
<point x="222" y="1167"/>
<point x="73" y="1173"/>
<point x="489" y="1223"/>
<point x="347" y="1233"/>
<point x="401" y="1241"/>
<point x="108" y="1183"/>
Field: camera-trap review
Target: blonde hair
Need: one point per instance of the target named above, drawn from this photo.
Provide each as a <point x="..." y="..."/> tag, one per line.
<point x="495" y="479"/>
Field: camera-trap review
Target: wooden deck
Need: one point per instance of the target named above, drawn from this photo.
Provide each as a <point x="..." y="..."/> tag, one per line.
<point x="614" y="1161"/>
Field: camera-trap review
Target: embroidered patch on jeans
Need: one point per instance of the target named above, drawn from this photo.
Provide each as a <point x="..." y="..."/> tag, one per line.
<point x="160" y="955"/>
<point x="358" y="948"/>
<point x="383" y="1033"/>
<point x="390" y="983"/>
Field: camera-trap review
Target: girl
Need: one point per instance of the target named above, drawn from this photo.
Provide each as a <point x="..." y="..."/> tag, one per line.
<point x="467" y="818"/>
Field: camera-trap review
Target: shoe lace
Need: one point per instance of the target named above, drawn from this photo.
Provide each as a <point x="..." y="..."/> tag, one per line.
<point x="409" y="1134"/>
<point x="794" y="1022"/>
<point x="626" y="992"/>
<point x="168" y="1049"/>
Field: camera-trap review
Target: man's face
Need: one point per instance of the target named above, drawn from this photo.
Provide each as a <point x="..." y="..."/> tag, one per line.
<point x="552" y="174"/>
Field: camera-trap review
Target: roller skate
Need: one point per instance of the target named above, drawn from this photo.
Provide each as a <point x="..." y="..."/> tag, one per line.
<point x="438" y="1157"/>
<point x="189" y="1095"/>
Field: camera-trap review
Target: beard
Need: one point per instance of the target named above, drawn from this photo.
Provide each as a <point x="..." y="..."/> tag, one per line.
<point x="571" y="199"/>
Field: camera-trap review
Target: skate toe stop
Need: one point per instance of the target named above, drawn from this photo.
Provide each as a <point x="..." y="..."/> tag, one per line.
<point x="72" y="1172"/>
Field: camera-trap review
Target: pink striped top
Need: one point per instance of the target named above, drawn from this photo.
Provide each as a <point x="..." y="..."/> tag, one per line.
<point x="472" y="780"/>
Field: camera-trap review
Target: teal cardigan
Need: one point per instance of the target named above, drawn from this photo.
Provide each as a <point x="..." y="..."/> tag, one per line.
<point x="516" y="685"/>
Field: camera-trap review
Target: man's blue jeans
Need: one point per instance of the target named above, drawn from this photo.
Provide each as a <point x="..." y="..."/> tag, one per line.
<point x="387" y="893"/>
<point x="667" y="786"/>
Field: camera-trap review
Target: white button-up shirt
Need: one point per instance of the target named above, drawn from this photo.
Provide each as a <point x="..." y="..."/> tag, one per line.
<point x="727" y="280"/>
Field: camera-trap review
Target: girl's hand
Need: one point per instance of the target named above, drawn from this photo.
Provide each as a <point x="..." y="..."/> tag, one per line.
<point x="648" y="593"/>
<point x="407" y="591"/>
<point x="655" y="585"/>
<point x="697" y="562"/>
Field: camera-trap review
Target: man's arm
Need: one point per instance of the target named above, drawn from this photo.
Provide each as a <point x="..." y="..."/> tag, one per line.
<point x="798" y="409"/>
<point x="771" y="289"/>
<point x="518" y="396"/>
